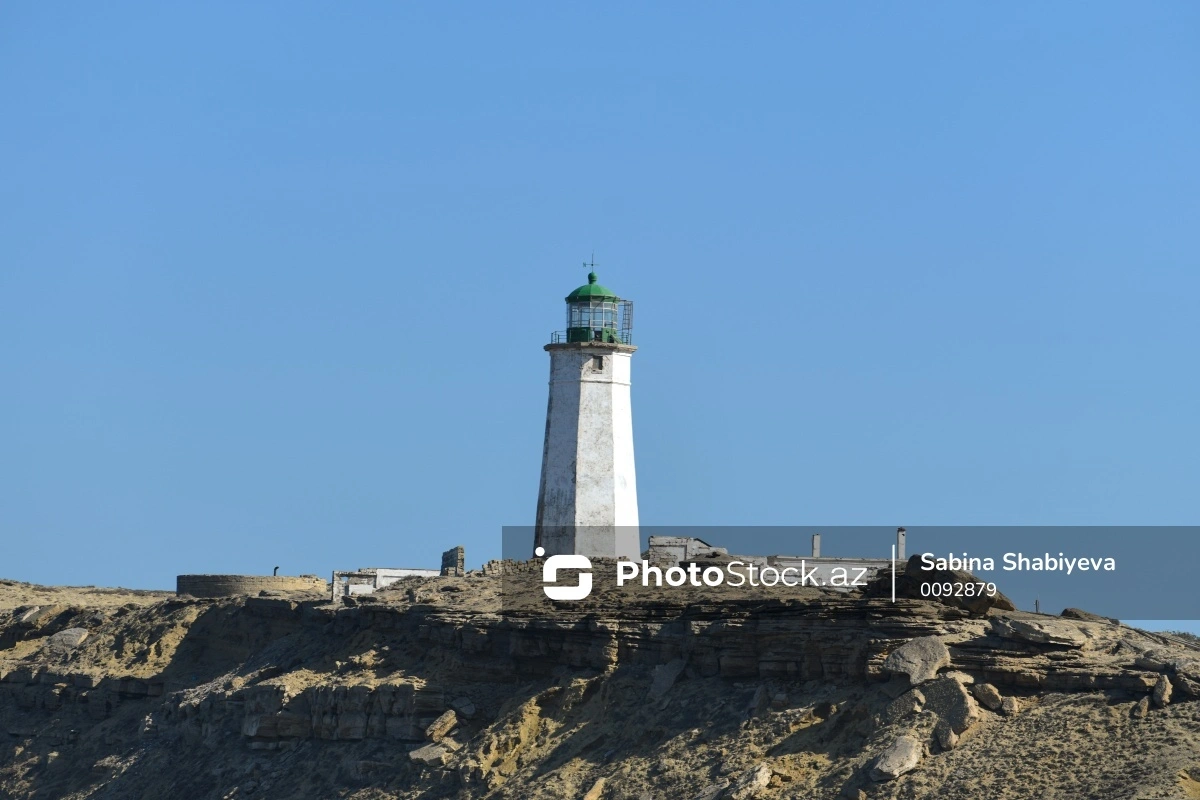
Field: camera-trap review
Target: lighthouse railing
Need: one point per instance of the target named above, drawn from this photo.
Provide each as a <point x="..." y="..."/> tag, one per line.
<point x="560" y="337"/>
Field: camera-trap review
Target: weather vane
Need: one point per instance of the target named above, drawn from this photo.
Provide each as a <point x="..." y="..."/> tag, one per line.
<point x="592" y="266"/>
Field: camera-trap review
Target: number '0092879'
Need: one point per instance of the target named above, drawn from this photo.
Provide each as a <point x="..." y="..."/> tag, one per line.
<point x="954" y="589"/>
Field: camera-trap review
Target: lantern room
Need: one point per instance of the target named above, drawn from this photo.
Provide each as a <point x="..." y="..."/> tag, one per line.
<point x="595" y="314"/>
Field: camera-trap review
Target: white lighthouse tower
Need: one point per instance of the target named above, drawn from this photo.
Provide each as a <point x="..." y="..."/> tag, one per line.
<point x="587" y="500"/>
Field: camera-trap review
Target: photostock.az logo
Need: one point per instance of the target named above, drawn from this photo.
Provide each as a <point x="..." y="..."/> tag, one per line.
<point x="550" y="575"/>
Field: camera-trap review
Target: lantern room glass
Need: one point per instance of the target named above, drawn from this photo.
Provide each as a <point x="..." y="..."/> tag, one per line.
<point x="592" y="315"/>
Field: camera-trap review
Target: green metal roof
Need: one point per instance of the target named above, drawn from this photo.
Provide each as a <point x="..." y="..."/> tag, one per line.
<point x="590" y="290"/>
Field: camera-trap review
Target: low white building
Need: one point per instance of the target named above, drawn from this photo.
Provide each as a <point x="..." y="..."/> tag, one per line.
<point x="371" y="579"/>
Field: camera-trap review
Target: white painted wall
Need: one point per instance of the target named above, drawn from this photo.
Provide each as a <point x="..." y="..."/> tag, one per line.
<point x="587" y="500"/>
<point x="386" y="577"/>
<point x="368" y="579"/>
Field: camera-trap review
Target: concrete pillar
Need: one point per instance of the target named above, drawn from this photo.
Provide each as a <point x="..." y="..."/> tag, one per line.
<point x="587" y="498"/>
<point x="901" y="534"/>
<point x="816" y="545"/>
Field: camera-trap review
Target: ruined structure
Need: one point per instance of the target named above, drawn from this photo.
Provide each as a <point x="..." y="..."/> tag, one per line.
<point x="683" y="549"/>
<point x="233" y="585"/>
<point x="454" y="562"/>
<point x="370" y="579"/>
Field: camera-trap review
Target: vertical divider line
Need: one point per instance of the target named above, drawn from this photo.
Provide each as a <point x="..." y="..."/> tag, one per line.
<point x="893" y="573"/>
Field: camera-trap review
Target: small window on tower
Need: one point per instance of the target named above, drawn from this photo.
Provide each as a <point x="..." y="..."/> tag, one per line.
<point x="598" y="363"/>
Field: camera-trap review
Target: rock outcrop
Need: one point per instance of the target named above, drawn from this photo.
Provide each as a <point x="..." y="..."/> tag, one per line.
<point x="916" y="583"/>
<point x="919" y="659"/>
<point x="1041" y="631"/>
<point x="988" y="695"/>
<point x="902" y="756"/>
<point x="950" y="701"/>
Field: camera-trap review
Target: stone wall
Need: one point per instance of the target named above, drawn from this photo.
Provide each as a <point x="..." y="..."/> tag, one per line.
<point x="675" y="549"/>
<point x="507" y="566"/>
<point x="454" y="562"/>
<point x="231" y="585"/>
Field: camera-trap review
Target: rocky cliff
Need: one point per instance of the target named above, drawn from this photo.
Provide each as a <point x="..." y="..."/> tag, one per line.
<point x="439" y="687"/>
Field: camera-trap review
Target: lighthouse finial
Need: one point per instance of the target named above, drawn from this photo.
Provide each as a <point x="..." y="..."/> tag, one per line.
<point x="592" y="267"/>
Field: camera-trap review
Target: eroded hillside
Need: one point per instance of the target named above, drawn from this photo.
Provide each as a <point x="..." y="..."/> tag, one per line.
<point x="428" y="691"/>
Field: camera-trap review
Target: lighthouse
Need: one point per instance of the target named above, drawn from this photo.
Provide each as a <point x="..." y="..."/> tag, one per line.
<point x="587" y="498"/>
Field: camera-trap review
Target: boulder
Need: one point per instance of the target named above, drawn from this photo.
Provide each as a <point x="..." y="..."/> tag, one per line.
<point x="751" y="783"/>
<point x="962" y="677"/>
<point x="66" y="641"/>
<point x="1076" y="613"/>
<point x="949" y="699"/>
<point x="1186" y="676"/>
<point x="1162" y="692"/>
<point x="464" y="707"/>
<point x="902" y="756"/>
<point x="906" y="705"/>
<point x="946" y="738"/>
<point x="1185" y="671"/>
<point x="1010" y="707"/>
<point x="919" y="659"/>
<point x="988" y="695"/>
<point x="1040" y="631"/>
<point x="431" y="755"/>
<point x="1158" y="659"/>
<point x="441" y="726"/>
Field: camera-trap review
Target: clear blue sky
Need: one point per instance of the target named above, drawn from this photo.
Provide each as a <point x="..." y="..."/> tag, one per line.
<point x="275" y="278"/>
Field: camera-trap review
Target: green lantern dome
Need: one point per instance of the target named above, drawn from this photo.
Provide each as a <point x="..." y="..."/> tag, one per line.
<point x="596" y="315"/>
<point x="591" y="291"/>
